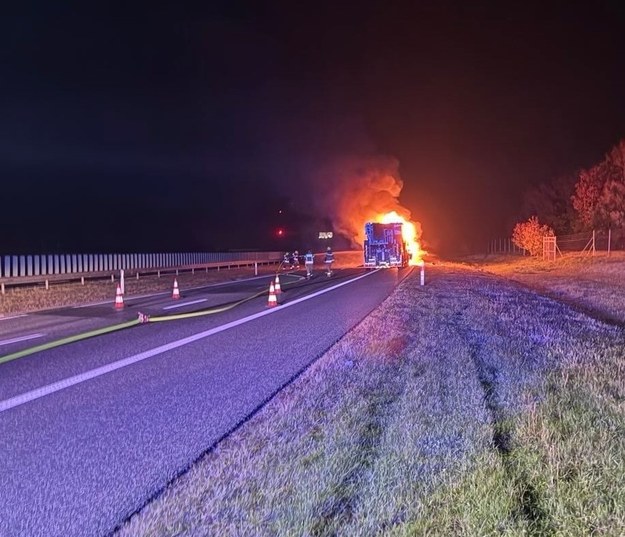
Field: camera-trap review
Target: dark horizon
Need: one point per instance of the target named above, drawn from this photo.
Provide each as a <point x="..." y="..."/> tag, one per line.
<point x="205" y="128"/>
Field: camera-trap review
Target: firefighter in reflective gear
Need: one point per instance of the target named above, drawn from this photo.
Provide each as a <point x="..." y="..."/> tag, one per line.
<point x="309" y="259"/>
<point x="329" y="259"/>
<point x="296" y="260"/>
<point x="286" y="261"/>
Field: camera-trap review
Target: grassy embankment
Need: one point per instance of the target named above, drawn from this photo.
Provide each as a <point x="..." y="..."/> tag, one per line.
<point x="470" y="406"/>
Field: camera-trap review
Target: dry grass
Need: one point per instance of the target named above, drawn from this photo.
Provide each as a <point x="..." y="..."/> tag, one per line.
<point x="594" y="284"/>
<point x="470" y="406"/>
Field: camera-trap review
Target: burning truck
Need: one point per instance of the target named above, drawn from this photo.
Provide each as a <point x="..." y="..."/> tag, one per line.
<point x="384" y="245"/>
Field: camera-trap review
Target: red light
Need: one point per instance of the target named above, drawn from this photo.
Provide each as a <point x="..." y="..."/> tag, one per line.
<point x="280" y="232"/>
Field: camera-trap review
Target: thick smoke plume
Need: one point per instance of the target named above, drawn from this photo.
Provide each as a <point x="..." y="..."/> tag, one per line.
<point x="355" y="190"/>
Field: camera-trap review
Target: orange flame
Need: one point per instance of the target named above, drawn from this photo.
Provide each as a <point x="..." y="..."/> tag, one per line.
<point x="409" y="234"/>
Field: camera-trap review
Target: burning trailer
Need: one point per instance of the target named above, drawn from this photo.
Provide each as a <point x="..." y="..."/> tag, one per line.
<point x="384" y="245"/>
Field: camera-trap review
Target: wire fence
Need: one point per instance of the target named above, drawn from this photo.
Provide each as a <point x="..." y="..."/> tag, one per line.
<point x="576" y="242"/>
<point x="591" y="242"/>
<point x="504" y="246"/>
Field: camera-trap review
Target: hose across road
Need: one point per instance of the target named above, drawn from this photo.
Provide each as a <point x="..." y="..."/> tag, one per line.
<point x="142" y="319"/>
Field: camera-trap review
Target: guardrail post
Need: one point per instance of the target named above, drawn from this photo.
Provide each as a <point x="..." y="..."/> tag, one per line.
<point x="2" y="285"/>
<point x="82" y="280"/>
<point x="121" y="280"/>
<point x="47" y="285"/>
<point x="255" y="268"/>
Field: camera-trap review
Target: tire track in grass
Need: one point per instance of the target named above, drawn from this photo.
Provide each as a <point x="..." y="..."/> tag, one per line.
<point x="530" y="504"/>
<point x="338" y="509"/>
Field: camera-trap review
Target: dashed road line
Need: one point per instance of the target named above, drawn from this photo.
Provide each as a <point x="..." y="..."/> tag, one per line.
<point x="183" y="304"/>
<point x="3" y="318"/>
<point x="21" y="338"/>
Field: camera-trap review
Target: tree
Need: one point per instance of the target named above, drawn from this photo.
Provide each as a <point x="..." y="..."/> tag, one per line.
<point x="529" y="235"/>
<point x="551" y="203"/>
<point x="599" y="197"/>
<point x="611" y="211"/>
<point x="586" y="197"/>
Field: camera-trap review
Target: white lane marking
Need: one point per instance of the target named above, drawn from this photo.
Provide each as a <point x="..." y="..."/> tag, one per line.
<point x="3" y="318"/>
<point x="21" y="338"/>
<point x="182" y="304"/>
<point x="93" y="304"/>
<point x="108" y="368"/>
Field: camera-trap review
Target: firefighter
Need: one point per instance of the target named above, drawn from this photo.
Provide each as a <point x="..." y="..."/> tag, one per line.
<point x="329" y="259"/>
<point x="296" y="260"/>
<point x="309" y="259"/>
<point x="286" y="261"/>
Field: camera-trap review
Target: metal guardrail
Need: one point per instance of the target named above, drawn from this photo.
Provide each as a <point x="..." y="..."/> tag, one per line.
<point x="33" y="269"/>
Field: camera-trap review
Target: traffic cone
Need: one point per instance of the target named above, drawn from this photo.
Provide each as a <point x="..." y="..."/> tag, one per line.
<point x="273" y="299"/>
<point x="277" y="287"/>
<point x="119" y="298"/>
<point x="176" y="293"/>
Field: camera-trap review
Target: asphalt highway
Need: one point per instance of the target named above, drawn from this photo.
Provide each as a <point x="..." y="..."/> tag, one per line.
<point x="90" y="431"/>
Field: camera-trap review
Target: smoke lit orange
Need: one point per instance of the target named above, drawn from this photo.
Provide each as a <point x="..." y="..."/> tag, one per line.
<point x="409" y="234"/>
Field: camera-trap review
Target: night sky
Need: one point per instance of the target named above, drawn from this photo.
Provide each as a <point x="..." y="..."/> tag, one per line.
<point x="189" y="127"/>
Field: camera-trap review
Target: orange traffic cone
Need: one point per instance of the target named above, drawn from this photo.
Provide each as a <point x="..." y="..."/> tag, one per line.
<point x="277" y="285"/>
<point x="176" y="293"/>
<point x="273" y="300"/>
<point x="119" y="298"/>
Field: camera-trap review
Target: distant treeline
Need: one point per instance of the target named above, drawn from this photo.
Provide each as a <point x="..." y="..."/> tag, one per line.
<point x="588" y="199"/>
